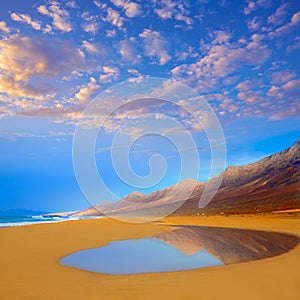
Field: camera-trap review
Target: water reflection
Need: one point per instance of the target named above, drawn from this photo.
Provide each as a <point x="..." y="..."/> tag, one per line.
<point x="230" y="245"/>
<point x="138" y="256"/>
<point x="184" y="248"/>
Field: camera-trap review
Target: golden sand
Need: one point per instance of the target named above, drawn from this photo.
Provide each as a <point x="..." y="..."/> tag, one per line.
<point x="29" y="267"/>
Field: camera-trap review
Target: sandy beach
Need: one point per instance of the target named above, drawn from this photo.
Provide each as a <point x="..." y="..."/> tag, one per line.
<point x="30" y="266"/>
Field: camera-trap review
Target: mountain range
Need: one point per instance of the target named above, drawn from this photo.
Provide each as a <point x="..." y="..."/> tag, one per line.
<point x="271" y="184"/>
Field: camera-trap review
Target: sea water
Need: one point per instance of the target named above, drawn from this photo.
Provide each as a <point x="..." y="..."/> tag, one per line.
<point x="28" y="220"/>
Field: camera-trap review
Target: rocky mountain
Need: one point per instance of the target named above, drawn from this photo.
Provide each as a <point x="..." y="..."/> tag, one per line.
<point x="173" y="195"/>
<point x="268" y="185"/>
<point x="93" y="210"/>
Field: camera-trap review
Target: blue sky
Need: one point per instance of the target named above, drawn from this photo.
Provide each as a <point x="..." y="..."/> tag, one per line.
<point x="56" y="56"/>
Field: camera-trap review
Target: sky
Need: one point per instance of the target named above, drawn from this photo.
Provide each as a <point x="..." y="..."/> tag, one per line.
<point x="241" y="57"/>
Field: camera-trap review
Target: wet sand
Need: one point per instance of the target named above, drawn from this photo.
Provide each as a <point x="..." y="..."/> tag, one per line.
<point x="30" y="269"/>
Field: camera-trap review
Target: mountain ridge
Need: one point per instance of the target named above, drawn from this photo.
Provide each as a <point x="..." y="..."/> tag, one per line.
<point x="269" y="184"/>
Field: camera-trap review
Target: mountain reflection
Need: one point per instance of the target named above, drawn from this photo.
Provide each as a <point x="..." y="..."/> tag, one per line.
<point x="229" y="245"/>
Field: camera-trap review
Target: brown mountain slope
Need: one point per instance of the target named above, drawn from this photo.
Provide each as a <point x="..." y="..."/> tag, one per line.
<point x="271" y="184"/>
<point x="136" y="201"/>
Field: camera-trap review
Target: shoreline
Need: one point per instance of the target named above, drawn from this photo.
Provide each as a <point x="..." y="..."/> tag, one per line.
<point x="30" y="265"/>
<point x="41" y="221"/>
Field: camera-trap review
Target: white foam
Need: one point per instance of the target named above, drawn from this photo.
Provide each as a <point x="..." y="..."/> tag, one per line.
<point x="52" y="220"/>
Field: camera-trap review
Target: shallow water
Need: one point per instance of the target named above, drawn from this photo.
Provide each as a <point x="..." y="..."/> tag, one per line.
<point x="185" y="248"/>
<point x="138" y="256"/>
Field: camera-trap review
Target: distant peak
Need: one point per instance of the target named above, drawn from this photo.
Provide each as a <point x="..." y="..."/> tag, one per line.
<point x="132" y="197"/>
<point x="136" y="193"/>
<point x="188" y="181"/>
<point x="296" y="144"/>
<point x="231" y="169"/>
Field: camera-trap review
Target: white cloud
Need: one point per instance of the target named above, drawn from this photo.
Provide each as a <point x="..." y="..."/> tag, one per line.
<point x="23" y="59"/>
<point x="274" y="91"/>
<point x="96" y="52"/>
<point x="250" y="7"/>
<point x="3" y="27"/>
<point x="100" y="5"/>
<point x="136" y="75"/>
<point x="293" y="85"/>
<point x="39" y="68"/>
<point x="286" y="96"/>
<point x="295" y="46"/>
<point x="221" y="59"/>
<point x="91" y="23"/>
<point x="254" y="24"/>
<point x="219" y="37"/>
<point x="278" y="17"/>
<point x="92" y="48"/>
<point x="111" y="33"/>
<point x="23" y="18"/>
<point x="291" y="25"/>
<point x="43" y="10"/>
<point x="60" y="17"/>
<point x="164" y="13"/>
<point x="188" y="53"/>
<point x="47" y="29"/>
<point x="131" y="9"/>
<point x="26" y="134"/>
<point x="287" y="113"/>
<point x="230" y="80"/>
<point x="155" y="46"/>
<point x="113" y="17"/>
<point x="128" y="50"/>
<point x="85" y="93"/>
<point x="243" y="85"/>
<point x="281" y="77"/>
<point x="168" y="9"/>
<point x="229" y="105"/>
<point x="71" y="4"/>
<point x="109" y="74"/>
<point x="249" y="92"/>
<point x="251" y="97"/>
<point x="296" y="18"/>
<point x="91" y="27"/>
<point x="253" y="5"/>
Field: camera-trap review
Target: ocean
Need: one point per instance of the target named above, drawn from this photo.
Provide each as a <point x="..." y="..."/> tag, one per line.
<point x="28" y="220"/>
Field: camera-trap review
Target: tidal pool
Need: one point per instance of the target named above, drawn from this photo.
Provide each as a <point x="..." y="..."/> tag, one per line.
<point x="185" y="248"/>
<point x="138" y="256"/>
